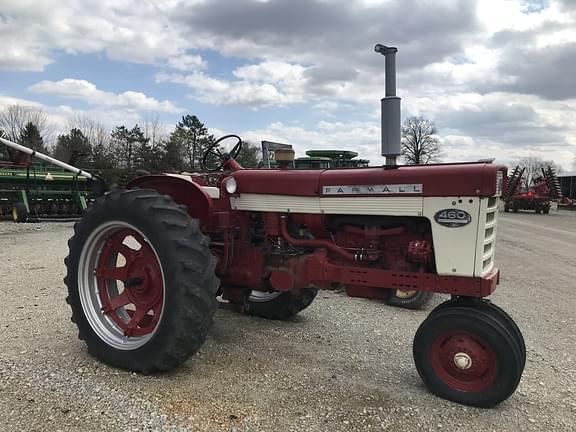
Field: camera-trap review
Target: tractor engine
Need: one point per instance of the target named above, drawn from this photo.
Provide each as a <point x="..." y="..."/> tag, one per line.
<point x="397" y="243"/>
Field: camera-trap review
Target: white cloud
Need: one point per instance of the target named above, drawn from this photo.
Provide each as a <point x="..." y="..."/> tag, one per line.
<point x="271" y="72"/>
<point x="86" y="91"/>
<point x="362" y="137"/>
<point x="8" y="100"/>
<point x="62" y="117"/>
<point x="253" y="89"/>
<point x="187" y="62"/>
<point x="33" y="32"/>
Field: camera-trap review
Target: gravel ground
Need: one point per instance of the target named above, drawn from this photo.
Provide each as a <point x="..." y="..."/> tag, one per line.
<point x="342" y="365"/>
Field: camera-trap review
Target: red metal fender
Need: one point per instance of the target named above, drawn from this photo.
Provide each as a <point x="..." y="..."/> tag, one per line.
<point x="185" y="192"/>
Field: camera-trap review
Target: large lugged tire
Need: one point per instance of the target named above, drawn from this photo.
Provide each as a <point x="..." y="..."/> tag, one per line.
<point x="409" y="299"/>
<point x="141" y="281"/>
<point x="278" y="305"/>
<point x="468" y="355"/>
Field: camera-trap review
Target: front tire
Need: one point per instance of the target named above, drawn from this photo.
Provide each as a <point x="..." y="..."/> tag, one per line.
<point x="496" y="312"/>
<point x="468" y="356"/>
<point x="141" y="281"/>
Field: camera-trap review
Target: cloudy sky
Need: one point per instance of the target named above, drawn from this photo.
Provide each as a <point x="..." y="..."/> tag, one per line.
<point x="497" y="76"/>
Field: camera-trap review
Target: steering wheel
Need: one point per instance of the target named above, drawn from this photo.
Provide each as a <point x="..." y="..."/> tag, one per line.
<point x="221" y="156"/>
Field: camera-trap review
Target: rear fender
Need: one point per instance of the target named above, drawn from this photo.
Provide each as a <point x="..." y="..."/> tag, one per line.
<point x="182" y="191"/>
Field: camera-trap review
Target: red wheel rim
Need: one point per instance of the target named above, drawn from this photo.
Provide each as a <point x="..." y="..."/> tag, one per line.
<point x="135" y="305"/>
<point x="463" y="361"/>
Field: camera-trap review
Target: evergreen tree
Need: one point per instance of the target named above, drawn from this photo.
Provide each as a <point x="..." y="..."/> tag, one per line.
<point x="30" y="137"/>
<point x="190" y="136"/>
<point x="73" y="148"/>
<point x="174" y="154"/>
<point x="249" y="155"/>
<point x="130" y="147"/>
<point x="102" y="157"/>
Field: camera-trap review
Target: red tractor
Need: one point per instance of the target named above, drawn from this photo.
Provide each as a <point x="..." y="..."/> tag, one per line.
<point x="147" y="264"/>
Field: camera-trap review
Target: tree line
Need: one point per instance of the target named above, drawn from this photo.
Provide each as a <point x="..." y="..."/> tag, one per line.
<point x="89" y="145"/>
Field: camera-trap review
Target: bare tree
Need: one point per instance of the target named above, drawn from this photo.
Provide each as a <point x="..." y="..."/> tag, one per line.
<point x="534" y="165"/>
<point x="420" y="145"/>
<point x="153" y="129"/>
<point x="94" y="131"/>
<point x="157" y="137"/>
<point x="14" y="118"/>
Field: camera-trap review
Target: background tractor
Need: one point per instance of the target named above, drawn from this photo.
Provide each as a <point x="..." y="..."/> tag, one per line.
<point x="147" y="264"/>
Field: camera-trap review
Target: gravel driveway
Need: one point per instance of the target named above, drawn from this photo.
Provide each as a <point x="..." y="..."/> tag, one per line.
<point x="342" y="365"/>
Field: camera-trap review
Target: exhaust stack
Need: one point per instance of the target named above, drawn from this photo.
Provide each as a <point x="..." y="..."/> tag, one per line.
<point x="390" y="107"/>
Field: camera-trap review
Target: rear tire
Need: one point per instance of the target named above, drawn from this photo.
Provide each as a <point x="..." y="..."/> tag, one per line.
<point x="277" y="305"/>
<point x="153" y="312"/>
<point x="19" y="212"/>
<point x="409" y="299"/>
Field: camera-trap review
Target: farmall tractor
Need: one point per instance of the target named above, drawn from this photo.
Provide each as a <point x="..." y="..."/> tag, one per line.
<point x="147" y="264"/>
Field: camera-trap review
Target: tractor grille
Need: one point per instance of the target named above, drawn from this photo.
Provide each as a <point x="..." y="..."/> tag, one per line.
<point x="486" y="248"/>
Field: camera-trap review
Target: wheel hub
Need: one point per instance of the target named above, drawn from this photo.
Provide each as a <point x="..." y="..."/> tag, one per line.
<point x="405" y="294"/>
<point x="141" y="286"/>
<point x="462" y="360"/>
<point x="130" y="284"/>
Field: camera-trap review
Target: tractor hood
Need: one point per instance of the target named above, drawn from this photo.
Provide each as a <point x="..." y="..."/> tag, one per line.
<point x="463" y="179"/>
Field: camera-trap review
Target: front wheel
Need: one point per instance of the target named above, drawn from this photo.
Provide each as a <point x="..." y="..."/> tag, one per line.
<point x="141" y="281"/>
<point x="468" y="356"/>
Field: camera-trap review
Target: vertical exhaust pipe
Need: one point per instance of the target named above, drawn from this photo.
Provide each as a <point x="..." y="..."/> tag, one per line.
<point x="390" y="107"/>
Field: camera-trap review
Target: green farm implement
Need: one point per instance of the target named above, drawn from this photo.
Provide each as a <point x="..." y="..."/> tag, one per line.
<point x="33" y="191"/>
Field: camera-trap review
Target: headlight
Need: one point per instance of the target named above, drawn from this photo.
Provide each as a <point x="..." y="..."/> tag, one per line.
<point x="231" y="185"/>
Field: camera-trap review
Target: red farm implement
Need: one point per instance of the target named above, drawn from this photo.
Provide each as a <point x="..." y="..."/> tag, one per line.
<point x="147" y="264"/>
<point x="537" y="197"/>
